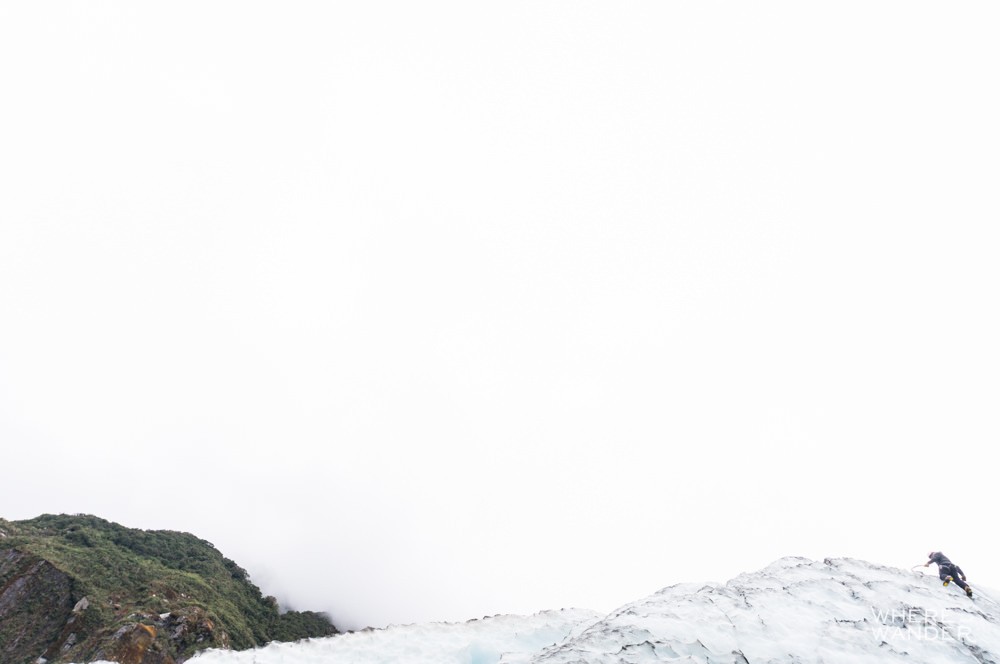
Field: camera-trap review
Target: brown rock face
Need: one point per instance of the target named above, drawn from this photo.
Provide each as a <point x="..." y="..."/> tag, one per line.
<point x="35" y="604"/>
<point x="132" y="645"/>
<point x="191" y="626"/>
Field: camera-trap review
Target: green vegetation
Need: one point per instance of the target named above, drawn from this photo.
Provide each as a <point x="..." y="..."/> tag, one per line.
<point x="136" y="576"/>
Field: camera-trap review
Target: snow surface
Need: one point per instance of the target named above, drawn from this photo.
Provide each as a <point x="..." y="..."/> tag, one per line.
<point x="795" y="610"/>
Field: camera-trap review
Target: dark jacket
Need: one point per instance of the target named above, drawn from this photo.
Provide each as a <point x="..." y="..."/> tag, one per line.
<point x="940" y="558"/>
<point x="943" y="562"/>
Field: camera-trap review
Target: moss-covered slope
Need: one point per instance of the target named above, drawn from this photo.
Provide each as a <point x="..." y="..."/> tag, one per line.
<point x="79" y="588"/>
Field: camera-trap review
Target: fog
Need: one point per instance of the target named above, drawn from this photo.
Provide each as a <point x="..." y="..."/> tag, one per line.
<point x="442" y="311"/>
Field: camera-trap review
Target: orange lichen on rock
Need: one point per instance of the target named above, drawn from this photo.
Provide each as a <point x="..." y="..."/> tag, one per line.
<point x="133" y="646"/>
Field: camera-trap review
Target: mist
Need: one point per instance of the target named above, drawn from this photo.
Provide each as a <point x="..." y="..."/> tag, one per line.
<point x="437" y="312"/>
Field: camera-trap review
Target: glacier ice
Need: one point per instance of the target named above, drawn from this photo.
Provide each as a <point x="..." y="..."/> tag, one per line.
<point x="795" y="610"/>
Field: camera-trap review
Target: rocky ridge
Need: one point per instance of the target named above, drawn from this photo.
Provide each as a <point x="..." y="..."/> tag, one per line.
<point x="79" y="588"/>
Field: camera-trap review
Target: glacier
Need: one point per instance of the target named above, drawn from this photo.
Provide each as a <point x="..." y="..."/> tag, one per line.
<point x="795" y="610"/>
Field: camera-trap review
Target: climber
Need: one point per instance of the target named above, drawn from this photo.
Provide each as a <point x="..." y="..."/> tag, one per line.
<point x="948" y="571"/>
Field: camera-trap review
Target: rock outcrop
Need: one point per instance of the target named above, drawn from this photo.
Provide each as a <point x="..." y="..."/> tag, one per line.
<point x="36" y="606"/>
<point x="78" y="589"/>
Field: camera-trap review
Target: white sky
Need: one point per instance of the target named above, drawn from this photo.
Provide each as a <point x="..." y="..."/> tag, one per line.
<point x="437" y="310"/>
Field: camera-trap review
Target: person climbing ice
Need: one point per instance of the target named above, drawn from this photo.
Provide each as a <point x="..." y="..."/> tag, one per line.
<point x="948" y="571"/>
